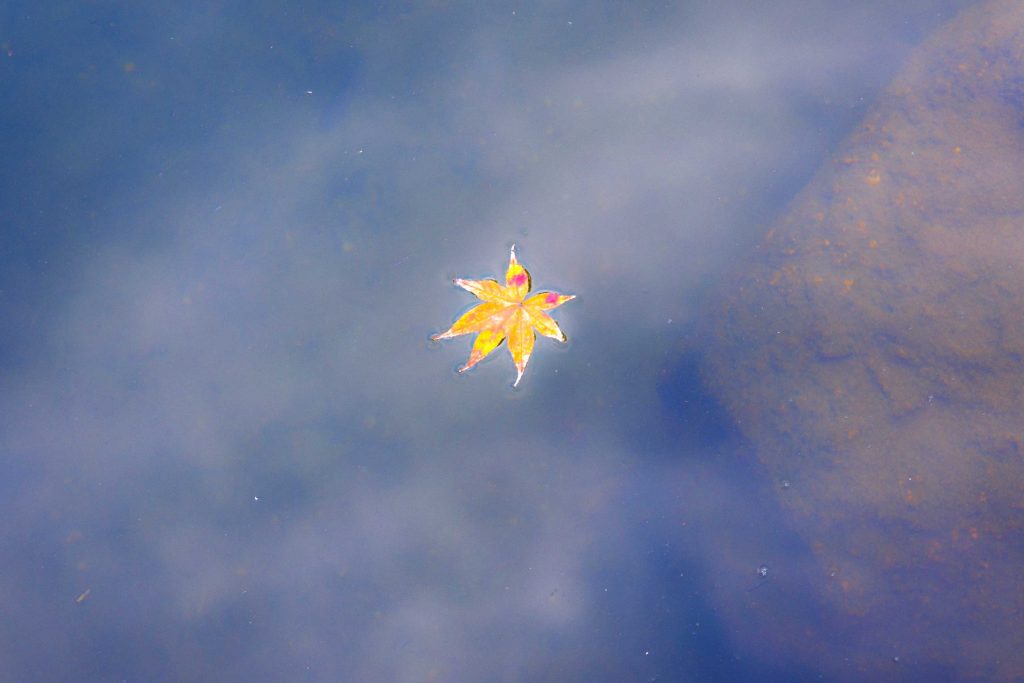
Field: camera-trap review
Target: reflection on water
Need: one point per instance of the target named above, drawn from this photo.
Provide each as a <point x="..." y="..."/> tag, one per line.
<point x="230" y="452"/>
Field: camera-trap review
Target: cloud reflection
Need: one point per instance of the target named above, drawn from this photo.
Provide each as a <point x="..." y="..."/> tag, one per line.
<point x="238" y="440"/>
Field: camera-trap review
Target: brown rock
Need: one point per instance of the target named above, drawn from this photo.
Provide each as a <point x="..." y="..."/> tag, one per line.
<point x="872" y="351"/>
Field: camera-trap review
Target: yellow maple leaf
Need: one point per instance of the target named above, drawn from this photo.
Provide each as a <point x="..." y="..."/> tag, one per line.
<point x="506" y="313"/>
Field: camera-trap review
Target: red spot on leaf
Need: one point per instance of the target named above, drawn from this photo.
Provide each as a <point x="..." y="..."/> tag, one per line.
<point x="519" y="280"/>
<point x="551" y="298"/>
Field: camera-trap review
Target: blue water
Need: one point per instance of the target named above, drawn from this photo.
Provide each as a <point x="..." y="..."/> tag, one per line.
<point x="229" y="450"/>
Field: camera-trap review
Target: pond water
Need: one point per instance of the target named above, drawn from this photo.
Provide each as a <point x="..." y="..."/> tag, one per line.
<point x="230" y="450"/>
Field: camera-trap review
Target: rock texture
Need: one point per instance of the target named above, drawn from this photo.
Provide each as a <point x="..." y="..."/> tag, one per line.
<point x="873" y="352"/>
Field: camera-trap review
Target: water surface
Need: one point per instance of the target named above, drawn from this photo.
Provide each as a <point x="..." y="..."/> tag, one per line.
<point x="229" y="450"/>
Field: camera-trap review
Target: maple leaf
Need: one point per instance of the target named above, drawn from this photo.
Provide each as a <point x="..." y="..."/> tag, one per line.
<point x="506" y="313"/>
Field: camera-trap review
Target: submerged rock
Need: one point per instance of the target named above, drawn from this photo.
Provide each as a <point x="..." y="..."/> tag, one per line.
<point x="872" y="352"/>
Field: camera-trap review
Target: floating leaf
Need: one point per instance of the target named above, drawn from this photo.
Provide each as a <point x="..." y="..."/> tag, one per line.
<point x="507" y="314"/>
